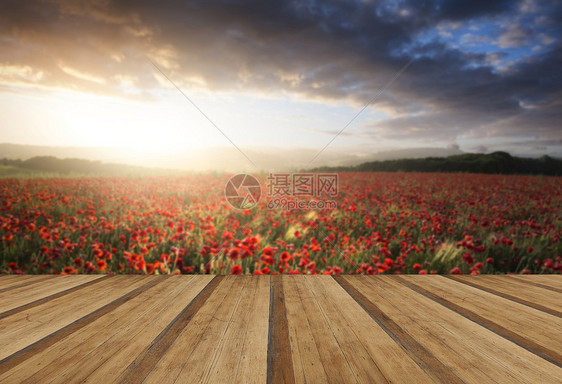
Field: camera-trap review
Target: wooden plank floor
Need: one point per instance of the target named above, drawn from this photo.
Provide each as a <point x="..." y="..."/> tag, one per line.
<point x="280" y="329"/>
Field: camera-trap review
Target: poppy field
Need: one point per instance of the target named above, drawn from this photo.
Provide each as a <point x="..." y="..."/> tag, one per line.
<point x="383" y="223"/>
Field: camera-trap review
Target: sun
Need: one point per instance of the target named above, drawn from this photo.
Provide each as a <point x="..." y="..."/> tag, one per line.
<point x="139" y="127"/>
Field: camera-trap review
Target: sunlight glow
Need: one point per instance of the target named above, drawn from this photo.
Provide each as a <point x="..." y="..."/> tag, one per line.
<point x="79" y="119"/>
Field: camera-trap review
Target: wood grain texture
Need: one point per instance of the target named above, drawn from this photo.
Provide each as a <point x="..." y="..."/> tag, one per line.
<point x="371" y="353"/>
<point x="470" y="351"/>
<point x="279" y="361"/>
<point x="23" y="281"/>
<point x="534" y="330"/>
<point x="145" y="362"/>
<point x="277" y="329"/>
<point x="425" y="359"/>
<point x="210" y="347"/>
<point x="32" y="304"/>
<point x="191" y="355"/>
<point x="109" y="340"/>
<point x="534" y="297"/>
<point x="245" y="339"/>
<point x="11" y="280"/>
<point x="545" y="284"/>
<point x="553" y="281"/>
<point x="42" y="291"/>
<point x="25" y="333"/>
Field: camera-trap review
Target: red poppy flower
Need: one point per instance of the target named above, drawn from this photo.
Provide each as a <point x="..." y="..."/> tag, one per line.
<point x="285" y="257"/>
<point x="101" y="265"/>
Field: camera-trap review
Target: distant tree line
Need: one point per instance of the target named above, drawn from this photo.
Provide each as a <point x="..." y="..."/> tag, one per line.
<point x="74" y="166"/>
<point x="496" y="163"/>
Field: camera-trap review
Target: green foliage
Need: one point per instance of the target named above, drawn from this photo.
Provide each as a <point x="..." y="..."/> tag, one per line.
<point x="50" y="166"/>
<point x="493" y="163"/>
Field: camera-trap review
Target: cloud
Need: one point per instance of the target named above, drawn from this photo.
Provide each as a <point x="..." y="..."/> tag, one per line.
<point x="529" y="6"/>
<point x="546" y="39"/>
<point x="325" y="51"/>
<point x="81" y="75"/>
<point x="466" y="9"/>
<point x="514" y="36"/>
<point x="469" y="38"/>
<point x="11" y="73"/>
<point x="453" y="146"/>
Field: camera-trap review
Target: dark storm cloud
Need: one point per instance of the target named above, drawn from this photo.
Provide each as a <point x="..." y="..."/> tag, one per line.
<point x="335" y="50"/>
<point x="463" y="9"/>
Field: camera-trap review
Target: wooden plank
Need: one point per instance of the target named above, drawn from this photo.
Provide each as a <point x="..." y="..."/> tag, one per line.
<point x="145" y="362"/>
<point x="554" y="280"/>
<point x="238" y="337"/>
<point x="227" y="337"/>
<point x="28" y="328"/>
<point x="251" y="367"/>
<point x="188" y="301"/>
<point x="546" y="297"/>
<point x="102" y="350"/>
<point x="372" y="354"/>
<point x="54" y="296"/>
<point x="25" y="295"/>
<point x="13" y="282"/>
<point x="341" y="336"/>
<point x="335" y="364"/>
<point x="548" y="283"/>
<point x="279" y="361"/>
<point x="307" y="363"/>
<point x="471" y="352"/>
<point x="86" y="348"/>
<point x="9" y="280"/>
<point x="362" y="368"/>
<point x="534" y="330"/>
<point x="190" y="357"/>
<point x="535" y="297"/>
<point x="412" y="349"/>
<point x="222" y="329"/>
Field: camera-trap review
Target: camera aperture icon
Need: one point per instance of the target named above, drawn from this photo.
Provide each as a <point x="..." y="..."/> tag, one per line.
<point x="243" y="191"/>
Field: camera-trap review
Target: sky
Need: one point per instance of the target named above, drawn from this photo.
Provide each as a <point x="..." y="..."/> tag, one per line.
<point x="475" y="76"/>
